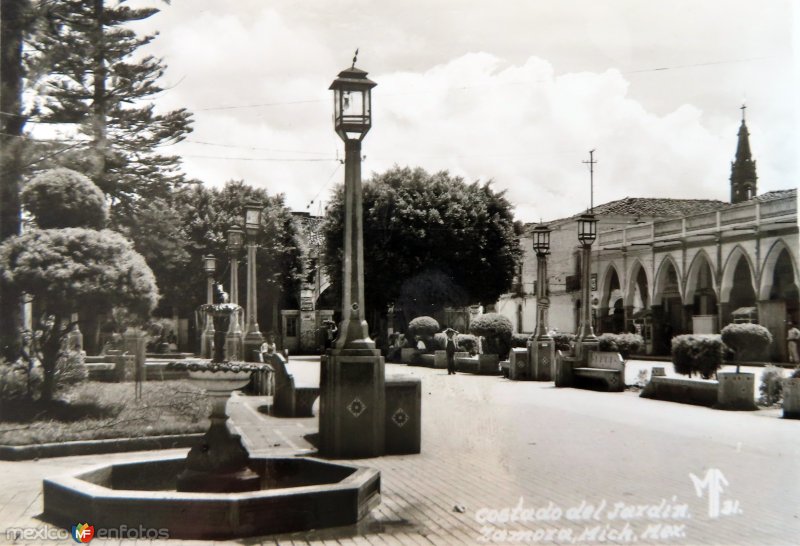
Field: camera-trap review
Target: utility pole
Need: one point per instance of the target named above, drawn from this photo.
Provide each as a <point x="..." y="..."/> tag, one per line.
<point x="591" y="163"/>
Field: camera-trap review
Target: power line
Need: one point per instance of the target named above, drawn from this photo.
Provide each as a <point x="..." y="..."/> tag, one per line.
<point x="221" y="145"/>
<point x="289" y="159"/>
<point x="478" y="85"/>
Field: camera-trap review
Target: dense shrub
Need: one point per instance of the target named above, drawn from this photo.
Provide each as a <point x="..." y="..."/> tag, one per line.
<point x="563" y="341"/>
<point x="520" y="340"/>
<point x="748" y="341"/>
<point x="424" y="328"/>
<point x="700" y="354"/>
<point x="771" y="387"/>
<point x="496" y="330"/>
<point x="467" y="342"/>
<point x="624" y="344"/>
<point x="18" y="380"/>
<point x="62" y="198"/>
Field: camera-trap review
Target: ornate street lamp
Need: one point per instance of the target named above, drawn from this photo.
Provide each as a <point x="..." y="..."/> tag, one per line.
<point x="252" y="225"/>
<point x="235" y="245"/>
<point x="207" y="334"/>
<point x="542" y="349"/>
<point x="352" y="98"/>
<point x="352" y="384"/>
<point x="587" y="233"/>
<point x="234" y="343"/>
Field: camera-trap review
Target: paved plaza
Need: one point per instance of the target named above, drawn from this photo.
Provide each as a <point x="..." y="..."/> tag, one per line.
<point x="523" y="463"/>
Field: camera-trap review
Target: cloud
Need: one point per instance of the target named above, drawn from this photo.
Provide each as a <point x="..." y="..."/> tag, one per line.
<point x="499" y="112"/>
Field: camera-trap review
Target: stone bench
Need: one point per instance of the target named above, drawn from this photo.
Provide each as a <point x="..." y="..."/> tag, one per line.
<point x="479" y="364"/>
<point x="290" y="399"/>
<point x="403" y="415"/>
<point x="604" y="367"/>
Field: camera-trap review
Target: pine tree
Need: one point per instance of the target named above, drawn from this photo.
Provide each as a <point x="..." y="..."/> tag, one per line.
<point x="98" y="81"/>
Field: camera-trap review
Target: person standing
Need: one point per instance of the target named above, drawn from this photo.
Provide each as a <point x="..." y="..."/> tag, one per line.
<point x="792" y="340"/>
<point x="450" y="350"/>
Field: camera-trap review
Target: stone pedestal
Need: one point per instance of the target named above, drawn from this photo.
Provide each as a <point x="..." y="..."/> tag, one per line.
<point x="352" y="403"/>
<point x="518" y="364"/>
<point x="135" y="347"/>
<point x="736" y="391"/>
<point x="403" y="417"/>
<point x="542" y="356"/>
<point x="440" y="359"/>
<point x="563" y="371"/>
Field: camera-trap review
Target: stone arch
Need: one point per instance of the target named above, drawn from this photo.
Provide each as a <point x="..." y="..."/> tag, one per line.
<point x="637" y="290"/>
<point x="768" y="271"/>
<point x="729" y="274"/>
<point x="693" y="277"/>
<point x="668" y="280"/>
<point x="611" y="317"/>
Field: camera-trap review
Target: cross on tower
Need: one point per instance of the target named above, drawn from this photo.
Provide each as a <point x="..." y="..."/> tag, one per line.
<point x="743" y="108"/>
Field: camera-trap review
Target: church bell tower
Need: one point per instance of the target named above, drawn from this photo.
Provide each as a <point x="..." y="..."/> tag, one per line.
<point x="743" y="168"/>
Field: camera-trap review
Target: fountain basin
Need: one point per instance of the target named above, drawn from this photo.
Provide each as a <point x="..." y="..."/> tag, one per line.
<point x="297" y="494"/>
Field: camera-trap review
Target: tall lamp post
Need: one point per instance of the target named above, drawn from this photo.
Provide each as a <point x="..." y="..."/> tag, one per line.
<point x="233" y="339"/>
<point x="207" y="335"/>
<point x="542" y="355"/>
<point x="352" y="400"/>
<point x="252" y="225"/>
<point x="587" y="233"/>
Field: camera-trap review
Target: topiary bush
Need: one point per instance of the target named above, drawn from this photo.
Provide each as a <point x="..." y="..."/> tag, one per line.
<point x="497" y="330"/>
<point x="63" y="198"/>
<point x="748" y="341"/>
<point x="563" y="341"/>
<point x="467" y="343"/>
<point x="624" y="344"/>
<point x="771" y="386"/>
<point x="424" y="328"/>
<point x="700" y="354"/>
<point x="520" y="341"/>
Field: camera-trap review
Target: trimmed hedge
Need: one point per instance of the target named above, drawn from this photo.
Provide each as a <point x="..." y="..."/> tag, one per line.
<point x="563" y="341"/>
<point x="497" y="330"/>
<point x="467" y="342"/>
<point x="520" y="340"/>
<point x="748" y="341"/>
<point x="424" y="328"/>
<point x="700" y="354"/>
<point x="624" y="344"/>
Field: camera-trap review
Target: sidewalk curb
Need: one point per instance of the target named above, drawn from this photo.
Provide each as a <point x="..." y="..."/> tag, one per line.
<point x="97" y="447"/>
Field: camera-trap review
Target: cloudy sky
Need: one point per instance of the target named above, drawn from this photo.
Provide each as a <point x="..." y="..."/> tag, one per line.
<point x="516" y="91"/>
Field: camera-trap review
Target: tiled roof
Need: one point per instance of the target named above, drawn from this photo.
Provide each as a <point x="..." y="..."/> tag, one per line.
<point x="777" y="194"/>
<point x="657" y="206"/>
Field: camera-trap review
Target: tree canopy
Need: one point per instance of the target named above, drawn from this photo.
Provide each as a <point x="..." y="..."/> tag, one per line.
<point x="430" y="240"/>
<point x="203" y="217"/>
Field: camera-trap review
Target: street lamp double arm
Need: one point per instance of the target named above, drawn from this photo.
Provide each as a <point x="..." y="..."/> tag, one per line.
<point x="352" y="98"/>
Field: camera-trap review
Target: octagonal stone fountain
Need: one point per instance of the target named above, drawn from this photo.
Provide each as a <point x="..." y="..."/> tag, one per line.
<point x="218" y="491"/>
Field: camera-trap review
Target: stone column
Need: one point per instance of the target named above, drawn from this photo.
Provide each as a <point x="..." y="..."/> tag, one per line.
<point x="352" y="384"/>
<point x="541" y="355"/>
<point x="207" y="335"/>
<point x="234" y="342"/>
<point x="253" y="339"/>
<point x="586" y="339"/>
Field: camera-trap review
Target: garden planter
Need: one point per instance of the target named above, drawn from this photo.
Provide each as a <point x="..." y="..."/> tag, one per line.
<point x="791" y="398"/>
<point x="488" y="364"/>
<point x="440" y="359"/>
<point x="409" y="355"/>
<point x="736" y="391"/>
<point x="698" y="392"/>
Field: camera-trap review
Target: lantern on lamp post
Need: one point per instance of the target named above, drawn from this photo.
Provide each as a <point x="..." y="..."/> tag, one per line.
<point x="252" y="225"/>
<point x="587" y="233"/>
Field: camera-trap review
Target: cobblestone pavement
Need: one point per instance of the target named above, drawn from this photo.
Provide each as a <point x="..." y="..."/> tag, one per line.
<point x="568" y="466"/>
